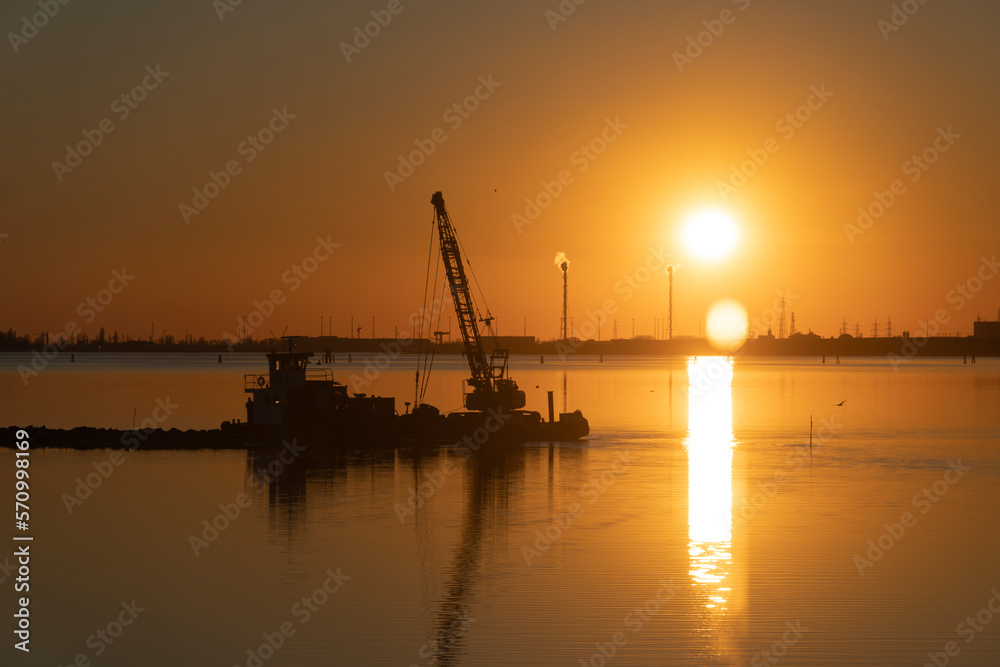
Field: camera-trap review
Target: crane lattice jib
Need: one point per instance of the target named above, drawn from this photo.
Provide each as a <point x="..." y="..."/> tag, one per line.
<point x="482" y="377"/>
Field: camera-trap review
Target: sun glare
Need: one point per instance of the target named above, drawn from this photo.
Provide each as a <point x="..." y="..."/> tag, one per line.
<point x="727" y="325"/>
<point x="710" y="234"/>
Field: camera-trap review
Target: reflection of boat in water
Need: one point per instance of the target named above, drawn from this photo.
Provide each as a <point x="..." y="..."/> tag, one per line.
<point x="295" y="400"/>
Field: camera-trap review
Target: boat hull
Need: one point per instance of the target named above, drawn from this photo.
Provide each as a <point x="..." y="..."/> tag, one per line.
<point x="481" y="429"/>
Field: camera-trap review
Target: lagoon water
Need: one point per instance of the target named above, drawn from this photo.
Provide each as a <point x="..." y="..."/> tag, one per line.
<point x="693" y="527"/>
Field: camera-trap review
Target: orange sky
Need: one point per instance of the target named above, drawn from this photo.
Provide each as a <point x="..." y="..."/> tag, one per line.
<point x="324" y="174"/>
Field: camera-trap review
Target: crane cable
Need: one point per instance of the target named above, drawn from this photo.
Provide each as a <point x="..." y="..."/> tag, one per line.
<point x="420" y="330"/>
<point x="430" y="365"/>
<point x="428" y="359"/>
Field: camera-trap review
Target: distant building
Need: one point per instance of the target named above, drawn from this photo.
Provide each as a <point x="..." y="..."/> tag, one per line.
<point x="986" y="329"/>
<point x="768" y="337"/>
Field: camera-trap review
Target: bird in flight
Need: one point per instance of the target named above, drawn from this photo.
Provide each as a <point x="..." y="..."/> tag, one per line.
<point x="841" y="404"/>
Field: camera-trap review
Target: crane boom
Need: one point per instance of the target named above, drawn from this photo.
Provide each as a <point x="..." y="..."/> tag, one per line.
<point x="489" y="386"/>
<point x="462" y="298"/>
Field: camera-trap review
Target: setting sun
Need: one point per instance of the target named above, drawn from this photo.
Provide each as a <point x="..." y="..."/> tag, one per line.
<point x="710" y="234"/>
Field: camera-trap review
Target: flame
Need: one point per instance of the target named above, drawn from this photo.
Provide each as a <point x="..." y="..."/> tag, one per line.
<point x="561" y="261"/>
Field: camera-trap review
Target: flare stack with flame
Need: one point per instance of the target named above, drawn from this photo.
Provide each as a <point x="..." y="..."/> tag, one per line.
<point x="563" y="264"/>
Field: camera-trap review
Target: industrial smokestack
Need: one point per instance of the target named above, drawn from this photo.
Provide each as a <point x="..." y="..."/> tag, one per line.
<point x="563" y="264"/>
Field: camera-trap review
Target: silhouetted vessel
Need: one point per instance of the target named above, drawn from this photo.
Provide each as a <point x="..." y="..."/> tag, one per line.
<point x="297" y="399"/>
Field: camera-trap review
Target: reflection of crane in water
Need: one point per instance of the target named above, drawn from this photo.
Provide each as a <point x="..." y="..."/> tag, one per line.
<point x="486" y="494"/>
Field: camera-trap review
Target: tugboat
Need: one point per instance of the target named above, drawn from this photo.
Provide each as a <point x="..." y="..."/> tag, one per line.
<point x="294" y="398"/>
<point x="297" y="400"/>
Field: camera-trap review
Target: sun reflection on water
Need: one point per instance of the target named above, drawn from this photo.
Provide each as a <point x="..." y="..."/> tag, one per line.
<point x="710" y="472"/>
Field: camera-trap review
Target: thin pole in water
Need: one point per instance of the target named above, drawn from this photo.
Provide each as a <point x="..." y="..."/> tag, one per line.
<point x="133" y="418"/>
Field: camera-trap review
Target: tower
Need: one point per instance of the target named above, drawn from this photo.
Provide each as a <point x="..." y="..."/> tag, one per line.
<point x="565" y="269"/>
<point x="670" y="312"/>
<point x="562" y="263"/>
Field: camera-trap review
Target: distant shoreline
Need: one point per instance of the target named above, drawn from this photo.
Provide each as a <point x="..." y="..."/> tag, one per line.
<point x="794" y="346"/>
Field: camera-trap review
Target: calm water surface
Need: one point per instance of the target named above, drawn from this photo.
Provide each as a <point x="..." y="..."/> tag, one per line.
<point x="691" y="528"/>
